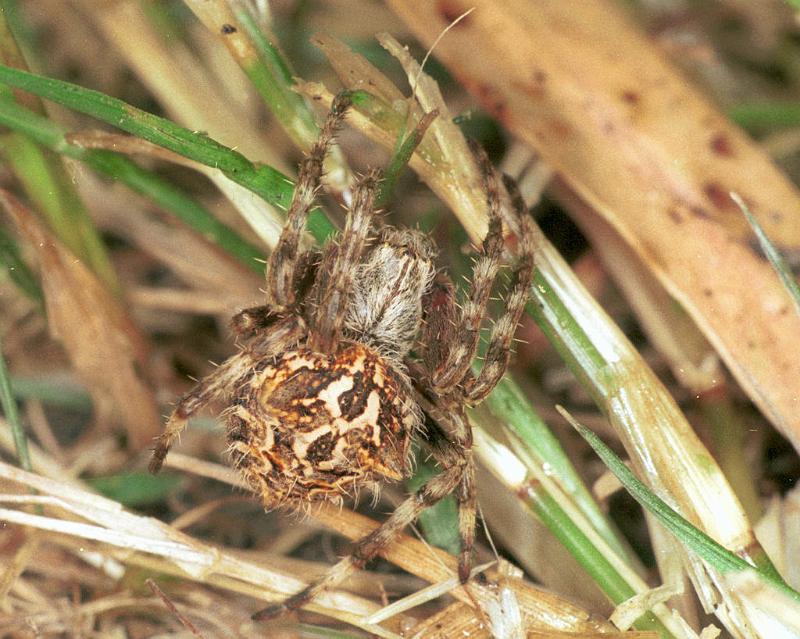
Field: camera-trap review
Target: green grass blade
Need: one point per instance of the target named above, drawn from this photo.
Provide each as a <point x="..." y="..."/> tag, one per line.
<point x="538" y="499"/>
<point x="508" y="403"/>
<point x="12" y="415"/>
<point x="768" y="115"/>
<point x="265" y="181"/>
<point x="18" y="271"/>
<point x="576" y="348"/>
<point x="54" y="196"/>
<point x="42" y="173"/>
<point x="773" y="255"/>
<point x="271" y="75"/>
<point x="602" y="571"/>
<point x="406" y="145"/>
<point x="119" y="167"/>
<point x="136" y="489"/>
<point x="55" y="393"/>
<point x="693" y="538"/>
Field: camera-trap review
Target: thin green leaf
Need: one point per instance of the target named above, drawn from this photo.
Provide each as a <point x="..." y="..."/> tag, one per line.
<point x="12" y="415"/>
<point x="767" y="115"/>
<point x="508" y="403"/>
<point x="266" y="182"/>
<point x="538" y="499"/>
<point x="406" y="145"/>
<point x="773" y="255"/>
<point x="18" y="271"/>
<point x="273" y="78"/>
<point x="692" y="537"/>
<point x="54" y="196"/>
<point x="119" y="167"/>
<point x="56" y="393"/>
<point x="43" y="174"/>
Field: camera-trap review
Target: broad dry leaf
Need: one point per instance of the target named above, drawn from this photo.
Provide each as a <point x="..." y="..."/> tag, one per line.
<point x="689" y="355"/>
<point x="640" y="146"/>
<point x="106" y="349"/>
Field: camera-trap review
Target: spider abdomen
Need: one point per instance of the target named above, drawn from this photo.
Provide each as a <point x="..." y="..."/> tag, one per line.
<point x="311" y="425"/>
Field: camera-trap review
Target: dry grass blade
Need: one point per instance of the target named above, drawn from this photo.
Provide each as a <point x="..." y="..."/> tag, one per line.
<point x="443" y="159"/>
<point x="541" y="609"/>
<point x="172" y="608"/>
<point x="633" y="140"/>
<point x="148" y="542"/>
<point x="105" y="347"/>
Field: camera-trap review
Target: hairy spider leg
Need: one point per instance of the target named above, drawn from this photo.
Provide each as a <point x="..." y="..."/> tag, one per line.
<point x="335" y="273"/>
<point x="498" y="352"/>
<point x="221" y="382"/>
<point x="285" y="260"/>
<point x="451" y="385"/>
<point x="456" y="365"/>
<point x="370" y="546"/>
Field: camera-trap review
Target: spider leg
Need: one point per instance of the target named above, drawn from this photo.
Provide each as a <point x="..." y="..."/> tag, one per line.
<point x="451" y="439"/>
<point x="214" y="386"/>
<point x="467" y="499"/>
<point x="456" y="365"/>
<point x="338" y="266"/>
<point x="284" y="261"/>
<point x="223" y="381"/>
<point x="499" y="350"/>
<point x="370" y="546"/>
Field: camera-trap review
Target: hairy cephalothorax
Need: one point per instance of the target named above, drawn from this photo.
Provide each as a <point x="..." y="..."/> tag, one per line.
<point x="320" y="400"/>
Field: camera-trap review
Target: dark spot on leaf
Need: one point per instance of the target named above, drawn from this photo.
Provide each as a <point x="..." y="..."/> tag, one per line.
<point x="227" y="29"/>
<point x="721" y="145"/>
<point x="719" y="196"/>
<point x="631" y="97"/>
<point x="700" y="212"/>
<point x="451" y="11"/>
<point x="675" y="215"/>
<point x="531" y="89"/>
<point x="560" y="128"/>
<point x="492" y="101"/>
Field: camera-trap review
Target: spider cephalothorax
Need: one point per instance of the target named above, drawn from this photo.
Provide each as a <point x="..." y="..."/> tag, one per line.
<point x="320" y="399"/>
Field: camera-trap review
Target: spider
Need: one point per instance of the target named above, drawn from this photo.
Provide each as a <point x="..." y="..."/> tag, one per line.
<point x="320" y="395"/>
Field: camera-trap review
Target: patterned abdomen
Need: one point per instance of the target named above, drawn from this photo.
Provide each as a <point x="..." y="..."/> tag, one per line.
<point x="308" y="425"/>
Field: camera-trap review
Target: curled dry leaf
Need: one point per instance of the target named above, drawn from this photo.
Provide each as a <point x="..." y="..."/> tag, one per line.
<point x="105" y="347"/>
<point x="641" y="147"/>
